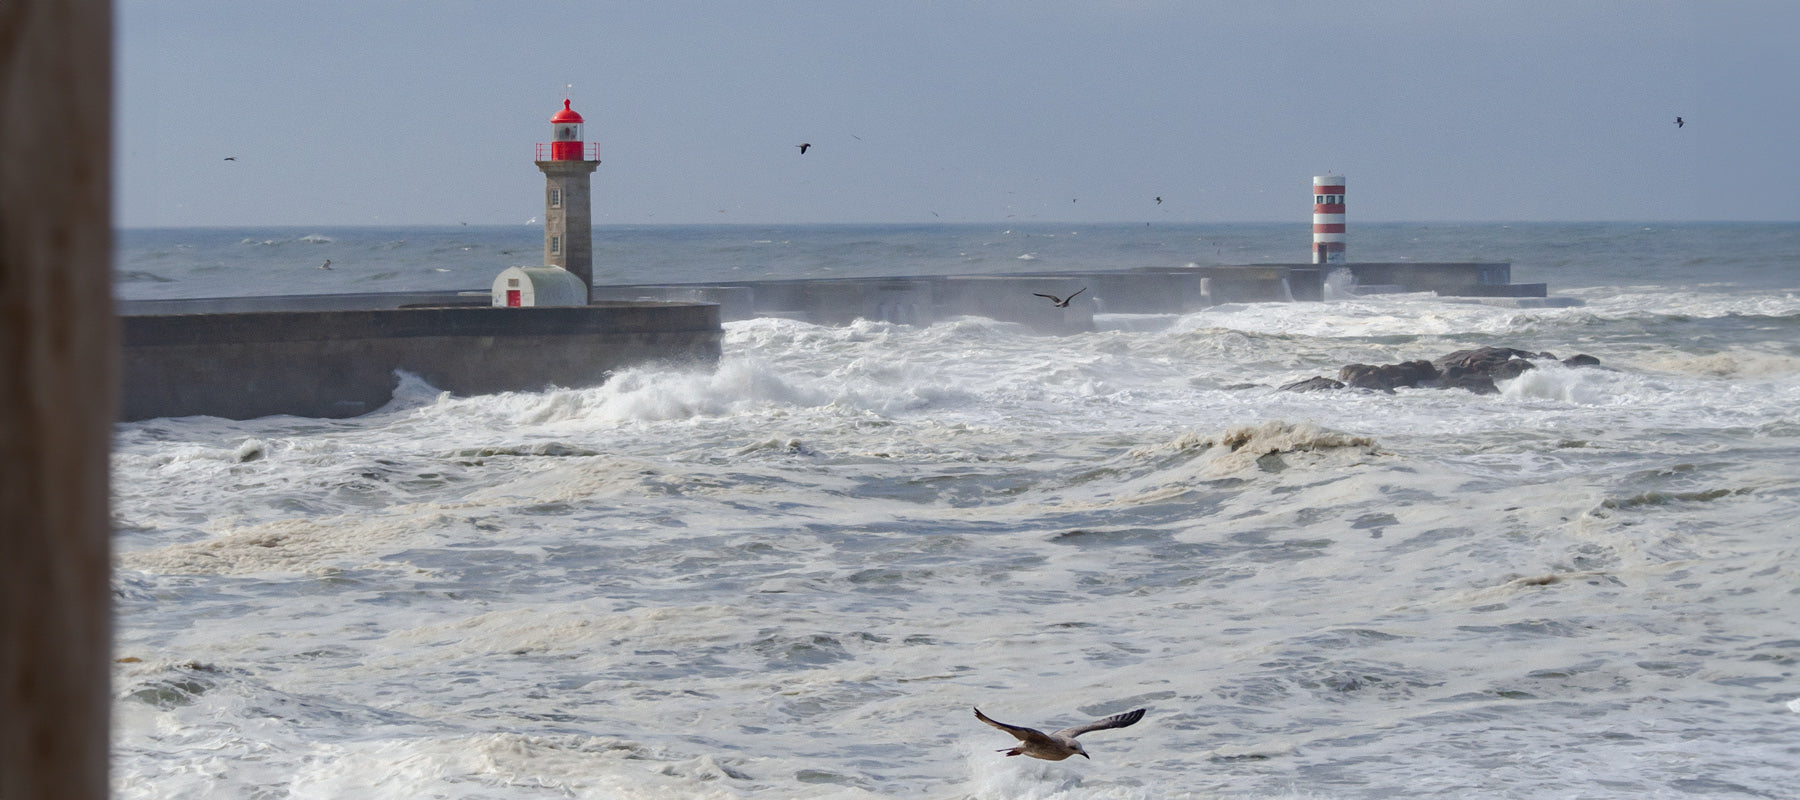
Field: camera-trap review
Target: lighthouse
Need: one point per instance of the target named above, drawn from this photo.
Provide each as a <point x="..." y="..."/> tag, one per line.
<point x="568" y="212"/>
<point x="1328" y="219"/>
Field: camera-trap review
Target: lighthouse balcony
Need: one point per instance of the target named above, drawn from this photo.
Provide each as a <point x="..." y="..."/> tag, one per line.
<point x="560" y="151"/>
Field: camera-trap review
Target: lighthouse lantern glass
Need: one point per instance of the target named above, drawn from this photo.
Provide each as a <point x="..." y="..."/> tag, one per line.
<point x="568" y="132"/>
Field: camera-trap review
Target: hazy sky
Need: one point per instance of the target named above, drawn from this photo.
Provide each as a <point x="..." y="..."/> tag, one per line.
<point x="375" y="112"/>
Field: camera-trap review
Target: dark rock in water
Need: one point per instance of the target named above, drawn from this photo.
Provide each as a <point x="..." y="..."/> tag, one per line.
<point x="1318" y="384"/>
<point x="1474" y="370"/>
<point x="1507" y="370"/>
<point x="1472" y="382"/>
<point x="1388" y="377"/>
<point x="1485" y="359"/>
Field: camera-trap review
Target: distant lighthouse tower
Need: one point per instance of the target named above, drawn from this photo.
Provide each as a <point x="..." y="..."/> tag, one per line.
<point x="1328" y="219"/>
<point x="568" y="211"/>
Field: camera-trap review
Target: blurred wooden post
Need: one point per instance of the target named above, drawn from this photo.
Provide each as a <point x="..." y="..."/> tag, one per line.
<point x="58" y="355"/>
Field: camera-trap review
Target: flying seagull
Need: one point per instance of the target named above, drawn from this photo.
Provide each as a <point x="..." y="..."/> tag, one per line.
<point x="231" y="158"/>
<point x="1679" y="122"/>
<point x="1059" y="302"/>
<point x="1061" y="744"/>
<point x="326" y="265"/>
<point x="803" y="146"/>
<point x="1159" y="201"/>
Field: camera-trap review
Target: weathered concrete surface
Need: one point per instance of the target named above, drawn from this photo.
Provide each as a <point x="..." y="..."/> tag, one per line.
<point x="571" y="224"/>
<point x="1453" y="279"/>
<point x="350" y="301"/>
<point x="58" y="350"/>
<point x="343" y="363"/>
<point x="1009" y="297"/>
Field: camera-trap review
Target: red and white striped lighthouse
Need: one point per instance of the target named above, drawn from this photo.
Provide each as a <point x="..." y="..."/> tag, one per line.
<point x="1328" y="219"/>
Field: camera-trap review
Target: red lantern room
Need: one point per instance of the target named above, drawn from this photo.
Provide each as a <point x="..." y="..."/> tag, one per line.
<point x="566" y="143"/>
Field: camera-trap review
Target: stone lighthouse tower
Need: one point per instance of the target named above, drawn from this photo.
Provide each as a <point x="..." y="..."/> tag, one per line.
<point x="568" y="212"/>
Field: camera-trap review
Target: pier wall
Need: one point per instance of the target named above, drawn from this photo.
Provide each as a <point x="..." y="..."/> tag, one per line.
<point x="1009" y="297"/>
<point x="242" y="365"/>
<point x="1471" y="279"/>
<point x="336" y="355"/>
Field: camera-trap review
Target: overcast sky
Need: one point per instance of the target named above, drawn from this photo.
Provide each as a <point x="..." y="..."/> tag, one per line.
<point x="375" y="112"/>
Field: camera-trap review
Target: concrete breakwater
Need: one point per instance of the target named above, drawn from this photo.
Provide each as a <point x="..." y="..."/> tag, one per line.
<point x="1011" y="297"/>
<point x="336" y="355"/>
<point x="342" y="363"/>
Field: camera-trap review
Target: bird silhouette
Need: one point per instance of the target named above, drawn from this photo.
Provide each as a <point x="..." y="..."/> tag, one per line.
<point x="326" y="265"/>
<point x="231" y="158"/>
<point x="1679" y="122"/>
<point x="1059" y="302"/>
<point x="1061" y="744"/>
<point x="803" y="146"/>
<point x="1159" y="201"/>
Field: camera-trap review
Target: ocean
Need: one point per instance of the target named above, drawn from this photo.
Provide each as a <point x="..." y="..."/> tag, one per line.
<point x="795" y="575"/>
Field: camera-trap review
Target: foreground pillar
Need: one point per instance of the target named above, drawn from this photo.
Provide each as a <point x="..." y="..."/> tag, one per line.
<point x="58" y="350"/>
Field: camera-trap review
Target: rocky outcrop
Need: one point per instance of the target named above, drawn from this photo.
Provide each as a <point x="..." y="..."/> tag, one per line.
<point x="1319" y="384"/>
<point x="1387" y="377"/>
<point x="1475" y="370"/>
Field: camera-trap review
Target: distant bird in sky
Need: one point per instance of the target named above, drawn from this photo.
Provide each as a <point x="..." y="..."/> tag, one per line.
<point x="231" y="158"/>
<point x="1060" y="302"/>
<point x="326" y="265"/>
<point x="803" y="146"/>
<point x="1061" y="744"/>
<point x="1679" y="122"/>
<point x="1159" y="201"/>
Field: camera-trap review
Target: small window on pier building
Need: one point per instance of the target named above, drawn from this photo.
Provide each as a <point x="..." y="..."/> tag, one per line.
<point x="556" y="197"/>
<point x="556" y="245"/>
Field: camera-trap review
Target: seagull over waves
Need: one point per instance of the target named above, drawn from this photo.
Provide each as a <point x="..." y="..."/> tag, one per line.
<point x="1060" y="302"/>
<point x="1679" y="122"/>
<point x="1061" y="744"/>
<point x="803" y="146"/>
<point x="326" y="265"/>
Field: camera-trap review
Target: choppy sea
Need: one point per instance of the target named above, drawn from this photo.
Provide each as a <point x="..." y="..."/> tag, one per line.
<point x="794" y="575"/>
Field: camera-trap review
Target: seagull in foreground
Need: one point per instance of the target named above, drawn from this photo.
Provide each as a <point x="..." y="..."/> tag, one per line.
<point x="1061" y="744"/>
<point x="803" y="146"/>
<point x="1060" y="302"/>
<point x="1679" y="122"/>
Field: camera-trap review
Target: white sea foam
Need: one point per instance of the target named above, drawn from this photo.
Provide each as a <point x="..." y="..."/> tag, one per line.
<point x="792" y="576"/>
